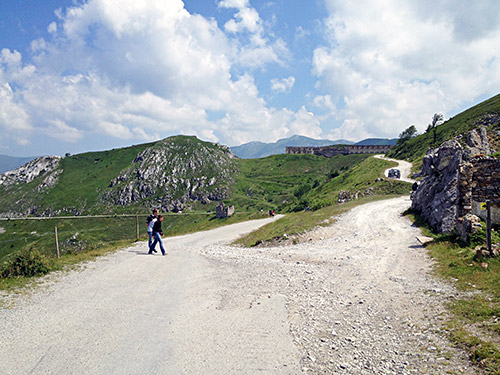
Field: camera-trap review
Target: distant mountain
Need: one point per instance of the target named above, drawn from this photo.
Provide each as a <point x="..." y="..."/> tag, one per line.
<point x="8" y="163"/>
<point x="377" y="142"/>
<point x="254" y="150"/>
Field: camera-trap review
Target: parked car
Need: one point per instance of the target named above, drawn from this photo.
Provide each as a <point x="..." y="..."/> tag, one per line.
<point x="394" y="173"/>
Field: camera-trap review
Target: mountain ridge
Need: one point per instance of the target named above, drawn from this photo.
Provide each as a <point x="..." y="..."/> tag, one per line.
<point x="8" y="163"/>
<point x="257" y="149"/>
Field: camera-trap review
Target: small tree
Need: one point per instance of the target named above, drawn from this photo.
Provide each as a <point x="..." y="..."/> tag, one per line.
<point x="437" y="119"/>
<point x="406" y="134"/>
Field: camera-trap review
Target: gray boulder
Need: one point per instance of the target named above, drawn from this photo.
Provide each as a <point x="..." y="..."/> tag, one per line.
<point x="436" y="198"/>
<point x="477" y="142"/>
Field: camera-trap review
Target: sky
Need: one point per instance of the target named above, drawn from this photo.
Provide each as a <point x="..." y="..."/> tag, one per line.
<point x="86" y="75"/>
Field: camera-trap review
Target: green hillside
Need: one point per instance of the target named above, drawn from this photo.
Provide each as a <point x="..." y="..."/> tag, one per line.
<point x="486" y="113"/>
<point x="84" y="177"/>
<point x="364" y="178"/>
<point x="125" y="183"/>
<point x="274" y="182"/>
<point x="198" y="174"/>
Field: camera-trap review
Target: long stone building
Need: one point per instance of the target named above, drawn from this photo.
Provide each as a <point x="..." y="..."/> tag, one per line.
<point x="329" y="151"/>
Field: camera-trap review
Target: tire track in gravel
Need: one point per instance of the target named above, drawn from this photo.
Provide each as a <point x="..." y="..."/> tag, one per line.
<point x="361" y="300"/>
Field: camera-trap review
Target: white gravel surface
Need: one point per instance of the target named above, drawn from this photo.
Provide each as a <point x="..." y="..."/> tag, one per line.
<point x="403" y="166"/>
<point x="357" y="298"/>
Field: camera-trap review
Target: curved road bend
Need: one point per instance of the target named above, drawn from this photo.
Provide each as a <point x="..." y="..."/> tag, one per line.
<point x="403" y="166"/>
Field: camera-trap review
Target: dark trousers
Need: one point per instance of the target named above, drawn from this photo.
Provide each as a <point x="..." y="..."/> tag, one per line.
<point x="157" y="239"/>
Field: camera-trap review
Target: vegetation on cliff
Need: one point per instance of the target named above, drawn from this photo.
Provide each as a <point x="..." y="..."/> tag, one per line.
<point x="485" y="114"/>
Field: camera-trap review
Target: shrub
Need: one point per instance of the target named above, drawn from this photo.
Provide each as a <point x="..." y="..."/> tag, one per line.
<point x="478" y="238"/>
<point x="301" y="206"/>
<point x="301" y="190"/>
<point x="320" y="203"/>
<point x="26" y="263"/>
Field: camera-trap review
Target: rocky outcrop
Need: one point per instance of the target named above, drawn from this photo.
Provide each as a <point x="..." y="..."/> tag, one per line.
<point x="437" y="198"/>
<point x="43" y="166"/>
<point x="173" y="174"/>
<point x="478" y="144"/>
<point x="348" y="195"/>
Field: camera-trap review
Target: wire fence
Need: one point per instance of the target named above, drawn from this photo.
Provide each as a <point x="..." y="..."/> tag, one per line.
<point x="56" y="236"/>
<point x="59" y="235"/>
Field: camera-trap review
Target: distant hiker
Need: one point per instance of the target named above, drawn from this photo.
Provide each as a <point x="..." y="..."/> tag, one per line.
<point x="150" y="222"/>
<point x="157" y="233"/>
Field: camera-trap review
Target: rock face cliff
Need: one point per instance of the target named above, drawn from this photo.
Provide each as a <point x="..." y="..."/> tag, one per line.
<point x="437" y="197"/>
<point x="174" y="173"/>
<point x="45" y="166"/>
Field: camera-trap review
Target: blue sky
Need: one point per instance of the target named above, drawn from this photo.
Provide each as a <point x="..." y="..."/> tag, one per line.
<point x="78" y="75"/>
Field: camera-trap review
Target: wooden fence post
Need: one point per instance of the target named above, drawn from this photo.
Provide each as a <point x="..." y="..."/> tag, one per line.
<point x="488" y="225"/>
<point x="57" y="242"/>
<point x="137" y="224"/>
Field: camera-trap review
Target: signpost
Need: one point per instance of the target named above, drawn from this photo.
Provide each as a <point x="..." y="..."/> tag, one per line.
<point x="57" y="243"/>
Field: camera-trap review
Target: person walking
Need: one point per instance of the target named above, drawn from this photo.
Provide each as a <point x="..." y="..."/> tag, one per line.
<point x="157" y="234"/>
<point x="150" y="222"/>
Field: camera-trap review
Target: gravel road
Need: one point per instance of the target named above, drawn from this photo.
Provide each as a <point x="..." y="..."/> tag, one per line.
<point x="403" y="166"/>
<point x="356" y="298"/>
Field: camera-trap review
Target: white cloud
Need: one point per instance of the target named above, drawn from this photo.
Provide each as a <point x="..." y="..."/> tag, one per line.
<point x="145" y="70"/>
<point x="282" y="85"/>
<point x="325" y="102"/>
<point x="392" y="64"/>
<point x="259" y="50"/>
<point x="305" y="123"/>
<point x="52" y="28"/>
<point x="301" y="33"/>
<point x="62" y="131"/>
<point x="13" y="116"/>
<point x="246" y="19"/>
<point x="250" y="118"/>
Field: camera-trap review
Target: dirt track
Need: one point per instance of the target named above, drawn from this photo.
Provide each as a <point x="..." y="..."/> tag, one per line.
<point x="356" y="299"/>
<point x="403" y="166"/>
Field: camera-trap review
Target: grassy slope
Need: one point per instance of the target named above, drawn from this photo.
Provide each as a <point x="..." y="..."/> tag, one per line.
<point x="83" y="179"/>
<point x="363" y="176"/>
<point x="86" y="175"/>
<point x="414" y="149"/>
<point x="475" y="324"/>
<point x="268" y="182"/>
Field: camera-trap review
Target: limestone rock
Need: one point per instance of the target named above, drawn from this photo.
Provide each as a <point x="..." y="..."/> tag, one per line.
<point x="171" y="175"/>
<point x="477" y="140"/>
<point x="30" y="171"/>
<point x="467" y="225"/>
<point x="436" y="197"/>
